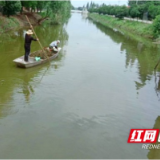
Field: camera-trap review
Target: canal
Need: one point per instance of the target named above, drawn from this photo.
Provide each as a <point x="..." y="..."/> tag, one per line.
<point x="83" y="104"/>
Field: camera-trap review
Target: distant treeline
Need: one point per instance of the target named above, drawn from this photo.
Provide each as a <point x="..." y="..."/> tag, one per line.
<point x="135" y="9"/>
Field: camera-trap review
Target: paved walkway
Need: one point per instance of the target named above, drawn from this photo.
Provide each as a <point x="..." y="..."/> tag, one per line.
<point x="135" y="19"/>
<point x="138" y="20"/>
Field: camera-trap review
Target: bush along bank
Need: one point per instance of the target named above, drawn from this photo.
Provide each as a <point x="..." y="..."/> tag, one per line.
<point x="17" y="21"/>
<point x="136" y="28"/>
<point x="7" y="24"/>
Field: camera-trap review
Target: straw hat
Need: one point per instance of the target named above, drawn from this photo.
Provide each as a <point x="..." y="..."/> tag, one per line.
<point x="29" y="32"/>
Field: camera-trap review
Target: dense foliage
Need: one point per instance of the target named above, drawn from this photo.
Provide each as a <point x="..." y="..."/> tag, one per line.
<point x="156" y="26"/>
<point x="136" y="9"/>
<point x="139" y="9"/>
<point x="58" y="11"/>
<point x="10" y="7"/>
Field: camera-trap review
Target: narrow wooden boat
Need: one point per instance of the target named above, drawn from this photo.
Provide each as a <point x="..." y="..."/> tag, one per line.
<point x="32" y="61"/>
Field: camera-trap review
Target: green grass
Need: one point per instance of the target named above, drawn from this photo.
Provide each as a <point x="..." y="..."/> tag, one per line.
<point x="7" y="24"/>
<point x="137" y="28"/>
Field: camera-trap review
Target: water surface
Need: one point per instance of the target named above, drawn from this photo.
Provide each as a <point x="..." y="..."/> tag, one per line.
<point x="84" y="103"/>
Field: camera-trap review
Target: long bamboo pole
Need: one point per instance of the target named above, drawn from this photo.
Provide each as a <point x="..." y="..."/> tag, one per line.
<point x="37" y="37"/>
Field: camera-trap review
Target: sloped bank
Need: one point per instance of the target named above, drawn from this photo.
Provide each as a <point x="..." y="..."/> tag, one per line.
<point x="135" y="28"/>
<point x="17" y="21"/>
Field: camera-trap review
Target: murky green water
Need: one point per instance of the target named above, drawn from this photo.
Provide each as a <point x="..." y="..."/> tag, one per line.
<point x="85" y="102"/>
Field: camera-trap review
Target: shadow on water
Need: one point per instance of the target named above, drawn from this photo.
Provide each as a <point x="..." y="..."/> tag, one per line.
<point x="24" y="81"/>
<point x="142" y="53"/>
<point x="154" y="153"/>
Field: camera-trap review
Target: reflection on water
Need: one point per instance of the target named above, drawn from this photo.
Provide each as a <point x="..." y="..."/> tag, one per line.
<point x="84" y="103"/>
<point x="144" y="53"/>
<point x="155" y="153"/>
<point x="27" y="88"/>
<point x="157" y="86"/>
<point x="12" y="77"/>
<point x="84" y="16"/>
<point x="140" y="46"/>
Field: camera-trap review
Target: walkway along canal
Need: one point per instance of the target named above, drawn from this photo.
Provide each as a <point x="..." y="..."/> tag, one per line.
<point x="85" y="102"/>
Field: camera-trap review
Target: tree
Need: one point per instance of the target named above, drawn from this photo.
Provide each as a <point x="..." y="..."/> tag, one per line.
<point x="1" y="3"/>
<point x="156" y="26"/>
<point x="11" y="7"/>
<point x="153" y="11"/>
<point x="40" y="5"/>
<point x="1" y="6"/>
<point x="121" y="11"/>
<point x="87" y="6"/>
<point x="58" y="11"/>
<point x="134" y="12"/>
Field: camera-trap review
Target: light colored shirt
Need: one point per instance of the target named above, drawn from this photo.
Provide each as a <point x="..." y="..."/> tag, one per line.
<point x="54" y="44"/>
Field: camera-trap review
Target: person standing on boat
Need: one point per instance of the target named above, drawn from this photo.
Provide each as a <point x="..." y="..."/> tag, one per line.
<point x="27" y="44"/>
<point x="54" y="46"/>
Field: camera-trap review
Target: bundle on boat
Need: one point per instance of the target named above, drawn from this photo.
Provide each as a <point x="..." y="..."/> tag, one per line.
<point x="43" y="54"/>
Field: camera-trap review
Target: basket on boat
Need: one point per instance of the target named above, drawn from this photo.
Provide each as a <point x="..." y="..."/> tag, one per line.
<point x="42" y="53"/>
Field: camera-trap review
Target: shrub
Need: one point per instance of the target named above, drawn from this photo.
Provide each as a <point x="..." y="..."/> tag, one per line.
<point x="134" y="12"/>
<point x="154" y="11"/>
<point x="156" y="26"/>
<point x="11" y="7"/>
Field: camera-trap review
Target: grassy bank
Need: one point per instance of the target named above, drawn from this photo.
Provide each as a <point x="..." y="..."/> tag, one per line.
<point x="7" y="24"/>
<point x="17" y="21"/>
<point x="136" y="28"/>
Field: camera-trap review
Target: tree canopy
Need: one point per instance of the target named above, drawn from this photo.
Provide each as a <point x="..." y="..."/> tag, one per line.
<point x="134" y="9"/>
<point x="56" y="10"/>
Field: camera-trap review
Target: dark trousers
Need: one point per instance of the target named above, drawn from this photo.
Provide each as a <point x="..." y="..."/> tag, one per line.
<point x="27" y="52"/>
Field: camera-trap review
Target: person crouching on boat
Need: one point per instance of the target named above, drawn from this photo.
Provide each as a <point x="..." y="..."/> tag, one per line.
<point x="27" y="44"/>
<point x="54" y="46"/>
